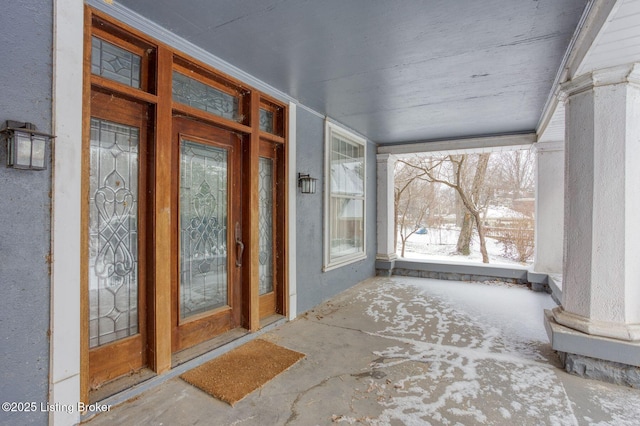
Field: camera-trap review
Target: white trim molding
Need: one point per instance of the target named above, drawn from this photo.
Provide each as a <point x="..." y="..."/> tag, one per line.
<point x="594" y="17"/>
<point x="627" y="73"/>
<point x="64" y="373"/>
<point x="549" y="146"/>
<point x="462" y="146"/>
<point x="291" y="211"/>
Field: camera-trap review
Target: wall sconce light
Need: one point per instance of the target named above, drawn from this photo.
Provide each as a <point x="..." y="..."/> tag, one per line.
<point x="306" y="183"/>
<point x="26" y="147"/>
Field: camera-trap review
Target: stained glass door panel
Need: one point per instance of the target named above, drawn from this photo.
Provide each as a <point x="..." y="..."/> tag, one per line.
<point x="113" y="232"/>
<point x="265" y="226"/>
<point x="270" y="216"/>
<point x="206" y="290"/>
<point x="203" y="228"/>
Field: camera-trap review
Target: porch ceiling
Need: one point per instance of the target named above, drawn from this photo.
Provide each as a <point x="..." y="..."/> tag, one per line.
<point x="394" y="71"/>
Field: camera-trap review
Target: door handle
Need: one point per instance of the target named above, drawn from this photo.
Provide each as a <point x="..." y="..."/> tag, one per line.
<point x="239" y="246"/>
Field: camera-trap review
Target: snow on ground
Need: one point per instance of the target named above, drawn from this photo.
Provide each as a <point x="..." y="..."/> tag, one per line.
<point x="440" y="244"/>
<point x="476" y="353"/>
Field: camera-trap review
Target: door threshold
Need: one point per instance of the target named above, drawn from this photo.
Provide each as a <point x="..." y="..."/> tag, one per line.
<point x="267" y="321"/>
<point x="202" y="348"/>
<point x="119" y="384"/>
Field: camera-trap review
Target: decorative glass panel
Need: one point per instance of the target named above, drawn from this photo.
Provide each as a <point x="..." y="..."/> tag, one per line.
<point x="265" y="227"/>
<point x="266" y="120"/>
<point x="207" y="98"/>
<point x="115" y="63"/>
<point x="113" y="232"/>
<point x="203" y="228"/>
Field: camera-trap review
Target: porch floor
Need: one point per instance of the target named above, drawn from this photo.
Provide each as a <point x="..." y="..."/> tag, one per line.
<point x="405" y="350"/>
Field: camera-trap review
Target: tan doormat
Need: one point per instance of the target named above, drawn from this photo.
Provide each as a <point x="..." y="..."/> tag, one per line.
<point x="236" y="374"/>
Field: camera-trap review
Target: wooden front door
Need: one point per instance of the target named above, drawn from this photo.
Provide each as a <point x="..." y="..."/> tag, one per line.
<point x="206" y="294"/>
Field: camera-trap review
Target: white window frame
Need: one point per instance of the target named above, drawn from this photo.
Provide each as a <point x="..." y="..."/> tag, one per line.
<point x="332" y="129"/>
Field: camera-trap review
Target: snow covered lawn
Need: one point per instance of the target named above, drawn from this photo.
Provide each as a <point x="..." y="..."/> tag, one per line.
<point x="440" y="244"/>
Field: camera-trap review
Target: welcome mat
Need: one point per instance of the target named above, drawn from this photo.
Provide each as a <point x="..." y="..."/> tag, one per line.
<point x="236" y="374"/>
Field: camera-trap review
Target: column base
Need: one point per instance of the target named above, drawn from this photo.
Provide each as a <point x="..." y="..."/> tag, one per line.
<point x="385" y="264"/>
<point x="386" y="257"/>
<point x="598" y="369"/>
<point x="595" y="357"/>
<point x="629" y="332"/>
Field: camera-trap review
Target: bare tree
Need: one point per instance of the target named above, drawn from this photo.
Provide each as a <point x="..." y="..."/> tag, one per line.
<point x="412" y="202"/>
<point x="516" y="172"/>
<point x="452" y="175"/>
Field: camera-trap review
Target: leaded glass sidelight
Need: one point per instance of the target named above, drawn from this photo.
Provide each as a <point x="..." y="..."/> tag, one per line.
<point x="191" y="92"/>
<point x="203" y="228"/>
<point x="115" y="63"/>
<point x="265" y="226"/>
<point x="113" y="232"/>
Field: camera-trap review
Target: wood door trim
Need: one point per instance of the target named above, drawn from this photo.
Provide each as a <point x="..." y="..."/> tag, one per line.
<point x="85" y="383"/>
<point x="251" y="161"/>
<point x="122" y="89"/>
<point x="215" y="120"/>
<point x="163" y="259"/>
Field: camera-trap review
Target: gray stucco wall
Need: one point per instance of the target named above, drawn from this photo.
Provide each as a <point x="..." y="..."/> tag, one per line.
<point x="26" y="30"/>
<point x="313" y="285"/>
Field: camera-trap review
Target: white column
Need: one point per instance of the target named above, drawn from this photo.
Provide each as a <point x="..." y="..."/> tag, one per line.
<point x="549" y="207"/>
<point x="386" y="216"/>
<point x="601" y="283"/>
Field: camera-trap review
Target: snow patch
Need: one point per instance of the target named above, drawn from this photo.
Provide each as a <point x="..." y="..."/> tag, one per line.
<point x="460" y="375"/>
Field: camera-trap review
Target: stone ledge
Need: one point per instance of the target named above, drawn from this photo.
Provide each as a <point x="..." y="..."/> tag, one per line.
<point x="460" y="271"/>
<point x="539" y="281"/>
<point x="445" y="270"/>
<point x="569" y="341"/>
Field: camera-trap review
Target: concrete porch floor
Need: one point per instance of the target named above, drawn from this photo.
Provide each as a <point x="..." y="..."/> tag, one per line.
<point x="399" y="350"/>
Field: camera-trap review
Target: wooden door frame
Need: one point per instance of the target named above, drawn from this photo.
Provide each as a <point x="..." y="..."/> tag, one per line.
<point x="156" y="92"/>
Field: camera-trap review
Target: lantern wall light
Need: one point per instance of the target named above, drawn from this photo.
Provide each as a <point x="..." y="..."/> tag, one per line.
<point x="26" y="146"/>
<point x="306" y="183"/>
